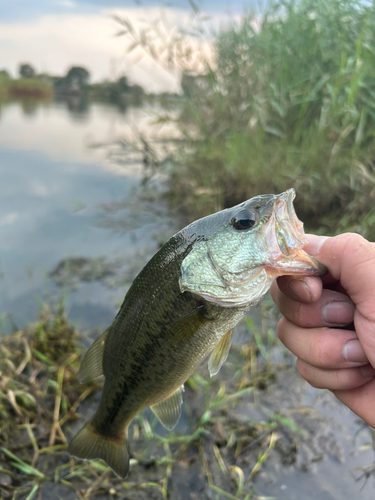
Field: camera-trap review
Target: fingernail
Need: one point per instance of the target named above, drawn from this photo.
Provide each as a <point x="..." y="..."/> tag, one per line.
<point x="315" y="243"/>
<point x="300" y="290"/>
<point x="353" y="352"/>
<point x="338" y="313"/>
<point x="368" y="370"/>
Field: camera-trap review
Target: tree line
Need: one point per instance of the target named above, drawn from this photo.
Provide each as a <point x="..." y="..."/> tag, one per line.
<point x="76" y="81"/>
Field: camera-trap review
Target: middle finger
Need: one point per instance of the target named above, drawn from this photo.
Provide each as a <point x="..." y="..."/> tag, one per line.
<point x="325" y="348"/>
<point x="332" y="309"/>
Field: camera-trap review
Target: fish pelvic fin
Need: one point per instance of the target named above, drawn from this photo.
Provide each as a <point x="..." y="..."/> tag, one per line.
<point x="168" y="411"/>
<point x="92" y="364"/>
<point x="88" y="444"/>
<point x="220" y="353"/>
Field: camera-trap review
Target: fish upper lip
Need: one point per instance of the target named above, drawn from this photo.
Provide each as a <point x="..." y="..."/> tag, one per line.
<point x="286" y="217"/>
<point x="288" y="220"/>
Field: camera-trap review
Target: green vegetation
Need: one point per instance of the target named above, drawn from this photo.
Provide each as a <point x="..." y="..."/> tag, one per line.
<point x="33" y="88"/>
<point x="220" y="449"/>
<point x="4" y="84"/>
<point x="118" y="92"/>
<point x="76" y="83"/>
<point x="289" y="101"/>
<point x="27" y="86"/>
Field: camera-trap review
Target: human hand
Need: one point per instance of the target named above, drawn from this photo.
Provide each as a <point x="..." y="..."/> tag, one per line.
<point x="329" y="322"/>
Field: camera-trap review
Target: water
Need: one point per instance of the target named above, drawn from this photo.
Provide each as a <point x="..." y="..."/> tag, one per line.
<point x="63" y="196"/>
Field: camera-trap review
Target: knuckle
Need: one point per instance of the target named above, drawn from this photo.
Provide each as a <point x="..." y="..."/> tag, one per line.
<point x="351" y="241"/>
<point x="355" y="245"/>
<point x="320" y="351"/>
<point x="299" y="314"/>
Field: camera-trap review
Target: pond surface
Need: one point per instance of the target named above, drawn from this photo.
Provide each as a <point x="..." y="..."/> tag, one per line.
<point x="70" y="214"/>
<point x="74" y="222"/>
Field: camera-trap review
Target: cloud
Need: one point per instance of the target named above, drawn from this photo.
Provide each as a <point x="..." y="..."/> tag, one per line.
<point x="31" y="9"/>
<point x="8" y="219"/>
<point x="53" y="43"/>
<point x="68" y="4"/>
<point x="39" y="189"/>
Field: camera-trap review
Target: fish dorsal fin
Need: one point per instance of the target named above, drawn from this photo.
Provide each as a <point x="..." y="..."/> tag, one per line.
<point x="168" y="410"/>
<point x="220" y="353"/>
<point x="92" y="364"/>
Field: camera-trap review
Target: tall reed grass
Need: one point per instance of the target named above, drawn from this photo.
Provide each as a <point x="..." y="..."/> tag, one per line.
<point x="289" y="101"/>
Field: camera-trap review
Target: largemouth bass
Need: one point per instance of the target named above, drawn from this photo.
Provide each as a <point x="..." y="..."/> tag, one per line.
<point x="182" y="307"/>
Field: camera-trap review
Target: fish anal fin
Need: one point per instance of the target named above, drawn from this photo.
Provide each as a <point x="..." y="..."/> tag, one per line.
<point x="168" y="410"/>
<point x="220" y="353"/>
<point x="89" y="444"/>
<point x="92" y="364"/>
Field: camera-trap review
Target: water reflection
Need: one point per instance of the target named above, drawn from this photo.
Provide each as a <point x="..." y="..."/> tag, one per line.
<point x="55" y="193"/>
<point x="78" y="105"/>
<point x="29" y="106"/>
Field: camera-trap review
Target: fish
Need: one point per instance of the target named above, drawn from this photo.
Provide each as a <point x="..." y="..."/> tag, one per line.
<point x="181" y="308"/>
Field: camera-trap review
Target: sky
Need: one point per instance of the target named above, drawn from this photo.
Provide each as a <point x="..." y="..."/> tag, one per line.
<point x="53" y="35"/>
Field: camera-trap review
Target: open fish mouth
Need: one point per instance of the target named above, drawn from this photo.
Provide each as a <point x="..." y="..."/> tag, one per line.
<point x="289" y="229"/>
<point x="290" y="239"/>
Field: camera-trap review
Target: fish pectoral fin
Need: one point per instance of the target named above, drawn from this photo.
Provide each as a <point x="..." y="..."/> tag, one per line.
<point x="220" y="353"/>
<point x="168" y="410"/>
<point x="88" y="444"/>
<point x="92" y="364"/>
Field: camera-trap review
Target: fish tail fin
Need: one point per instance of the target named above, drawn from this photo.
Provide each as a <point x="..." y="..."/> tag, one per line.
<point x="89" y="444"/>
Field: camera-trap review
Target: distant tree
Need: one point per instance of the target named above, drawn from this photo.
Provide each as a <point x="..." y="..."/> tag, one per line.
<point x="26" y="70"/>
<point x="137" y="93"/>
<point x="45" y="77"/>
<point x="4" y="73"/>
<point x="123" y="84"/>
<point x="77" y="77"/>
<point x="58" y="82"/>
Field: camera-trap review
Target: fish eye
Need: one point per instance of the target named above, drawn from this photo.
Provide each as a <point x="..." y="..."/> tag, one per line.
<point x="245" y="219"/>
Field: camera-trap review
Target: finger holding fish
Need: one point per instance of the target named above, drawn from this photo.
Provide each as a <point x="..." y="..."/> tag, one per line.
<point x="336" y="380"/>
<point x="305" y="288"/>
<point x="331" y="309"/>
<point x="322" y="347"/>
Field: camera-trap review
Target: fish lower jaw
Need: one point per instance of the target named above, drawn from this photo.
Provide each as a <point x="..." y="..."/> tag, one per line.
<point x="237" y="301"/>
<point x="301" y="263"/>
<point x="232" y="302"/>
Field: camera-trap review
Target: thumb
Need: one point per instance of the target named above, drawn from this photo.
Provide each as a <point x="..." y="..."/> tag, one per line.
<point x="351" y="260"/>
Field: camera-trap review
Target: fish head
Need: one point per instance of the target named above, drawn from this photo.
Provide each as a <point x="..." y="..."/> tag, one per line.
<point x="237" y="253"/>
